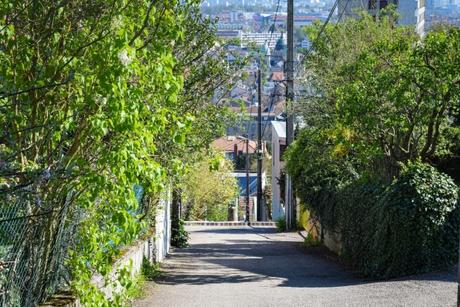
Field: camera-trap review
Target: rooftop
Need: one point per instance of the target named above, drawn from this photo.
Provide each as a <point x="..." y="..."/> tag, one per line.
<point x="227" y="144"/>
<point x="280" y="128"/>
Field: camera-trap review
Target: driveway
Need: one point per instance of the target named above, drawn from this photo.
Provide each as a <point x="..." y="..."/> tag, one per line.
<point x="244" y="266"/>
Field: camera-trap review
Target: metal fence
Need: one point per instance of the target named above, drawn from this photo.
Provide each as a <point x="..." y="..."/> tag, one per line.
<point x="33" y="241"/>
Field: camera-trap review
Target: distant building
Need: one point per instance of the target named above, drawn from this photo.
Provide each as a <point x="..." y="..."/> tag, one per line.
<point x="230" y="17"/>
<point x="260" y="39"/>
<point x="278" y="148"/>
<point x="442" y="12"/>
<point x="233" y="146"/>
<point x="279" y="51"/>
<point x="235" y="150"/>
<point x="263" y="39"/>
<point x="412" y="12"/>
<point x="267" y="51"/>
<point x="230" y="26"/>
<point x="229" y="34"/>
<point x="305" y="44"/>
<point x="299" y="20"/>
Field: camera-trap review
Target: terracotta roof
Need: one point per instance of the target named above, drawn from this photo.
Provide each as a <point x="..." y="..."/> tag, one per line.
<point x="280" y="107"/>
<point x="227" y="144"/>
<point x="277" y="76"/>
<point x="252" y="109"/>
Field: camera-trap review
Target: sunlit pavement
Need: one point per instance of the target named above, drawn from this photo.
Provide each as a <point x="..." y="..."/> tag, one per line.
<point x="245" y="266"/>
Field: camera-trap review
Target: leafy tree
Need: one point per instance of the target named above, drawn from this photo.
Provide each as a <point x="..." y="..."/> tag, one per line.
<point x="381" y="107"/>
<point x="96" y="97"/>
<point x="381" y="93"/>
<point x="208" y="78"/>
<point x="210" y="189"/>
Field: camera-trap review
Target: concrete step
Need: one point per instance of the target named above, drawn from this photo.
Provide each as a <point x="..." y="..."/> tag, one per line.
<point x="225" y="223"/>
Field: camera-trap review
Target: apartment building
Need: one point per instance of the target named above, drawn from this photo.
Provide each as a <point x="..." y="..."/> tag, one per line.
<point x="412" y="12"/>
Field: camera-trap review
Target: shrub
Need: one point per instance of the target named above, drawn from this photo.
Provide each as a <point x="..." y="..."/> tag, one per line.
<point x="448" y="243"/>
<point x="179" y="236"/>
<point x="209" y="188"/>
<point x="281" y="224"/>
<point x="413" y="219"/>
<point x="354" y="219"/>
<point x="318" y="174"/>
<point x="150" y="271"/>
<point x="311" y="241"/>
<point x="388" y="230"/>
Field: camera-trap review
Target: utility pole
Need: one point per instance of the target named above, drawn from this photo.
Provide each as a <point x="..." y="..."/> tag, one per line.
<point x="260" y="208"/>
<point x="290" y="207"/>
<point x="247" y="181"/>
<point x="458" y="280"/>
<point x="377" y="14"/>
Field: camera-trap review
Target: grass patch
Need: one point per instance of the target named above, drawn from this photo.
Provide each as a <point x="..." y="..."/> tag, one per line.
<point x="137" y="289"/>
<point x="310" y="241"/>
<point x="281" y="224"/>
<point x="150" y="271"/>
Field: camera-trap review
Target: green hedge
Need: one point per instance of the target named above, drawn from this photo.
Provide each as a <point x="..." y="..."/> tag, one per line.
<point x="356" y="221"/>
<point x="413" y="216"/>
<point x="410" y="226"/>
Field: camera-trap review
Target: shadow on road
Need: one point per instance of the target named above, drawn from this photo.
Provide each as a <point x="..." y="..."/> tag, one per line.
<point x="236" y="260"/>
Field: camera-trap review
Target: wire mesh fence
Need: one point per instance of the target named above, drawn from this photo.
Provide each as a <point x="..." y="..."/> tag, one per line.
<point x="33" y="241"/>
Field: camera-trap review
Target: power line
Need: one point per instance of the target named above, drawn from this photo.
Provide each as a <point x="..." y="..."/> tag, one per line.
<point x="323" y="28"/>
<point x="272" y="101"/>
<point x="272" y="27"/>
<point x="308" y="52"/>
<point x="260" y="211"/>
<point x="339" y="18"/>
<point x="267" y="42"/>
<point x="321" y="31"/>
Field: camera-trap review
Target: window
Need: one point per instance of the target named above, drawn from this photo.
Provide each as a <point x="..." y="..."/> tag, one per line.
<point x="282" y="150"/>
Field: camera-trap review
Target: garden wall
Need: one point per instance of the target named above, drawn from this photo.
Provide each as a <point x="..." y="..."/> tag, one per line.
<point x="155" y="248"/>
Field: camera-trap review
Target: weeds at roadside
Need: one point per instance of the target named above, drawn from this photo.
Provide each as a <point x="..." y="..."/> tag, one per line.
<point x="150" y="271"/>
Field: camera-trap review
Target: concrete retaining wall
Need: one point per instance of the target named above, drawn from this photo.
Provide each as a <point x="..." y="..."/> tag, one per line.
<point x="132" y="258"/>
<point x="154" y="248"/>
<point x="163" y="230"/>
<point x="332" y="241"/>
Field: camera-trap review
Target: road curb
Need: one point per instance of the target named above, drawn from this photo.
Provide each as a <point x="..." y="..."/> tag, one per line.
<point x="210" y="223"/>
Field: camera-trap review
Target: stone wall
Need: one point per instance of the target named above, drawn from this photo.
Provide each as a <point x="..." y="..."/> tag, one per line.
<point x="332" y="241"/>
<point x="154" y="248"/>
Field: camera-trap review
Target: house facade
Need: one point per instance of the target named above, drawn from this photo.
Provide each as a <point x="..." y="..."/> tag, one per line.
<point x="411" y="12"/>
<point x="278" y="147"/>
<point x="234" y="149"/>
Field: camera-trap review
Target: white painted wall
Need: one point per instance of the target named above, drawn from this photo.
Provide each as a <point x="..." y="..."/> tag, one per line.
<point x="163" y="229"/>
<point x="412" y="12"/>
<point x="278" y="138"/>
<point x="153" y="248"/>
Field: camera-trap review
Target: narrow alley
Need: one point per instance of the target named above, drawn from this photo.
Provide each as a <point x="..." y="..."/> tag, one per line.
<point x="244" y="266"/>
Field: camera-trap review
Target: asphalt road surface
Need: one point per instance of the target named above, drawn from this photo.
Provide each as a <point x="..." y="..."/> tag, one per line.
<point x="247" y="266"/>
